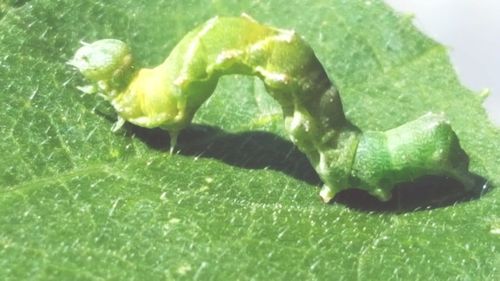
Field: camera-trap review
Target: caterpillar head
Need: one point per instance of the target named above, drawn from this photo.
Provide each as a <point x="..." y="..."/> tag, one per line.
<point x="103" y="60"/>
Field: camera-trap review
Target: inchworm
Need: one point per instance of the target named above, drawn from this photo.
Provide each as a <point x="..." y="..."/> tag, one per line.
<point x="169" y="95"/>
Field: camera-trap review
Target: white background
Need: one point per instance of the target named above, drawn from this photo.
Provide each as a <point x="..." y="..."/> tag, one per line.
<point x="471" y="31"/>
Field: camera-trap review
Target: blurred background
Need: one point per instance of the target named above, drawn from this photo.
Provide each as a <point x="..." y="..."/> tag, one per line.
<point x="471" y="31"/>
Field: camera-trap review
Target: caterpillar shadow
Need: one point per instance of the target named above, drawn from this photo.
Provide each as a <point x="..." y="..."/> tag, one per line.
<point x="250" y="150"/>
<point x="262" y="150"/>
<point x="425" y="193"/>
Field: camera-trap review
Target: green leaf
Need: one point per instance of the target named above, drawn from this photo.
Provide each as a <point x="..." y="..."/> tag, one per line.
<point x="238" y="201"/>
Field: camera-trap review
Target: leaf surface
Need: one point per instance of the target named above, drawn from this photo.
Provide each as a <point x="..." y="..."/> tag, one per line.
<point x="239" y="201"/>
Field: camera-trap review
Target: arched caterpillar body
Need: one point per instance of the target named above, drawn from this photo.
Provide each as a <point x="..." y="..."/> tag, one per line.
<point x="168" y="96"/>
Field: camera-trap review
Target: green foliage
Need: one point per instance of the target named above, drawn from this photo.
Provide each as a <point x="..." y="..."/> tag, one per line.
<point x="79" y="202"/>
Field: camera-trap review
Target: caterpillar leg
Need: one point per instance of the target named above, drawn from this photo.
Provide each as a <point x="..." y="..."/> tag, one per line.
<point x="425" y="146"/>
<point x="326" y="193"/>
<point x="88" y="89"/>
<point x="173" y="140"/>
<point x="118" y="124"/>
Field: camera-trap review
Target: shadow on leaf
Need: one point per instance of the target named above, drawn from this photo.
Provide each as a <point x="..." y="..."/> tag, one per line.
<point x="425" y="193"/>
<point x="250" y="150"/>
<point x="262" y="150"/>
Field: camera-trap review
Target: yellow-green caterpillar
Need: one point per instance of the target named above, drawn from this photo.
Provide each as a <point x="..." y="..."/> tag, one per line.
<point x="168" y="96"/>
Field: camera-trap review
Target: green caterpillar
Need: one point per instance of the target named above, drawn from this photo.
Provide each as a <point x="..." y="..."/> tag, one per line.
<point x="169" y="95"/>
